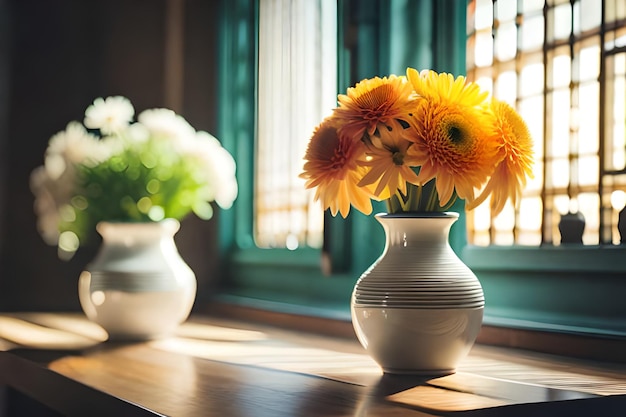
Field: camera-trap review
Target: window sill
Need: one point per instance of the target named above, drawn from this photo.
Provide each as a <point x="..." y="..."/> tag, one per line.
<point x="335" y="321"/>
<point x="565" y="289"/>
<point x="569" y="296"/>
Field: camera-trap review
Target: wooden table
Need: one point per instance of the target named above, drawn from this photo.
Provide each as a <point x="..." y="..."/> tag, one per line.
<point x="60" y="364"/>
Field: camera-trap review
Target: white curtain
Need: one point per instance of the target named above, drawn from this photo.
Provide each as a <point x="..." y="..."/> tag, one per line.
<point x="297" y="89"/>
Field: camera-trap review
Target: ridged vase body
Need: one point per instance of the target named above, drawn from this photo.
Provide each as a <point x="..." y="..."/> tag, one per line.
<point x="137" y="287"/>
<point x="418" y="309"/>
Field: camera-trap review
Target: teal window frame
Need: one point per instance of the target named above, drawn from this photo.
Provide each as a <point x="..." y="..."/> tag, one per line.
<point x="558" y="289"/>
<point x="296" y="279"/>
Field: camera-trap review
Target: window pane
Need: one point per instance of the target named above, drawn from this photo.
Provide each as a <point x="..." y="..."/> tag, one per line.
<point x="559" y="173"/>
<point x="560" y="65"/>
<point x="485" y="83"/>
<point x="565" y="116"/>
<point x="615" y="39"/>
<point x="589" y="205"/>
<point x="532" y="110"/>
<point x="556" y="2"/>
<point x="589" y="61"/>
<point x="297" y="88"/>
<point x="588" y="170"/>
<point x="615" y="113"/>
<point x="532" y="33"/>
<point x="531" y="80"/>
<point x="560" y="105"/>
<point x="532" y="5"/>
<point x="506" y="41"/>
<point x="530" y="221"/>
<point x="506" y="87"/>
<point x="504" y="225"/>
<point x="506" y="10"/>
<point x="590" y="13"/>
<point x="484" y="15"/>
<point x="589" y="124"/>
<point x="559" y="22"/>
<point x="615" y="10"/>
<point x="536" y="183"/>
<point x="483" y="49"/>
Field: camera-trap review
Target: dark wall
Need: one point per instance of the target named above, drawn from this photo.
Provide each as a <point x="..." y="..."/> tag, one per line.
<point x="56" y="56"/>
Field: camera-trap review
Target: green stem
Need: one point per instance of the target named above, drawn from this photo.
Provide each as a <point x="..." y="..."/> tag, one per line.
<point x="394" y="203"/>
<point x="416" y="195"/>
<point x="430" y="206"/>
<point x="450" y="203"/>
<point x="419" y="198"/>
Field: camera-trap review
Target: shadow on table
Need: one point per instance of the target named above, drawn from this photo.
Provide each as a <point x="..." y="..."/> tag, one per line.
<point x="472" y="395"/>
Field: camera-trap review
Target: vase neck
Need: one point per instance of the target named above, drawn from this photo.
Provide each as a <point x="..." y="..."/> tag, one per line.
<point x="146" y="232"/>
<point x="408" y="231"/>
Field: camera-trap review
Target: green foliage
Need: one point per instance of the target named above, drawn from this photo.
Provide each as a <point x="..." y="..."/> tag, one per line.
<point x="122" y="170"/>
<point x="148" y="181"/>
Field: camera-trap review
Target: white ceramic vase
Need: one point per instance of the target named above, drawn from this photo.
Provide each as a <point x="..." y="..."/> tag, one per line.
<point x="137" y="287"/>
<point x="418" y="309"/>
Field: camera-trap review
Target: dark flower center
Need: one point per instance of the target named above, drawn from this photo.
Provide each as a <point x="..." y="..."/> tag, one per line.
<point x="398" y="158"/>
<point x="338" y="160"/>
<point x="456" y="135"/>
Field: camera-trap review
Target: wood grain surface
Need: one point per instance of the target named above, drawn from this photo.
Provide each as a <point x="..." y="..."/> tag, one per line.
<point x="217" y="367"/>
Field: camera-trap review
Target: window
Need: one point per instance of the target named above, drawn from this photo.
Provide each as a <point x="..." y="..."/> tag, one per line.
<point x="561" y="63"/>
<point x="259" y="266"/>
<point x="523" y="283"/>
<point x="297" y="89"/>
<point x="371" y="39"/>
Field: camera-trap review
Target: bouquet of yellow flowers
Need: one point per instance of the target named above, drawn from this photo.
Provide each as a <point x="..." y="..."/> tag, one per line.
<point x="419" y="142"/>
<point x="112" y="168"/>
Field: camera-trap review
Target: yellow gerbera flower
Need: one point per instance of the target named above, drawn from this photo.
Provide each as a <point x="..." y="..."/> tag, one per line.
<point x="388" y="161"/>
<point x="515" y="158"/>
<point x="372" y="102"/>
<point x="452" y="146"/>
<point x="444" y="87"/>
<point x="418" y="141"/>
<point x="331" y="166"/>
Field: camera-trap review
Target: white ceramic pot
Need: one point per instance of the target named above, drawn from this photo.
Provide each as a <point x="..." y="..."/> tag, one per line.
<point x="138" y="287"/>
<point x="418" y="309"/>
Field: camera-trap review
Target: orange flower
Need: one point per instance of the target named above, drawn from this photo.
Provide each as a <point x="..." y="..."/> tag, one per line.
<point x="451" y="143"/>
<point x="515" y="156"/>
<point x="418" y="142"/>
<point x="331" y="166"/>
<point x="372" y="102"/>
<point x="388" y="161"/>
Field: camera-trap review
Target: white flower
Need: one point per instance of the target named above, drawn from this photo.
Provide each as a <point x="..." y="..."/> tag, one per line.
<point x="72" y="146"/>
<point x="219" y="165"/>
<point x="137" y="133"/>
<point x="160" y="150"/>
<point x="54" y="183"/>
<point x="164" y="123"/>
<point x="227" y="191"/>
<point x="109" y="146"/>
<point x="110" y="115"/>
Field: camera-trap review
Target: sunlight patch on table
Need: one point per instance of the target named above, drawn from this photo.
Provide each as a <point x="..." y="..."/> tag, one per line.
<point x="30" y="335"/>
<point x="346" y="367"/>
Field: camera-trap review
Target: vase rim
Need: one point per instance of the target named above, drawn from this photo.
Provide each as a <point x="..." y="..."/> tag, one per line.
<point x="170" y="224"/>
<point x="419" y="214"/>
<point x="165" y="220"/>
